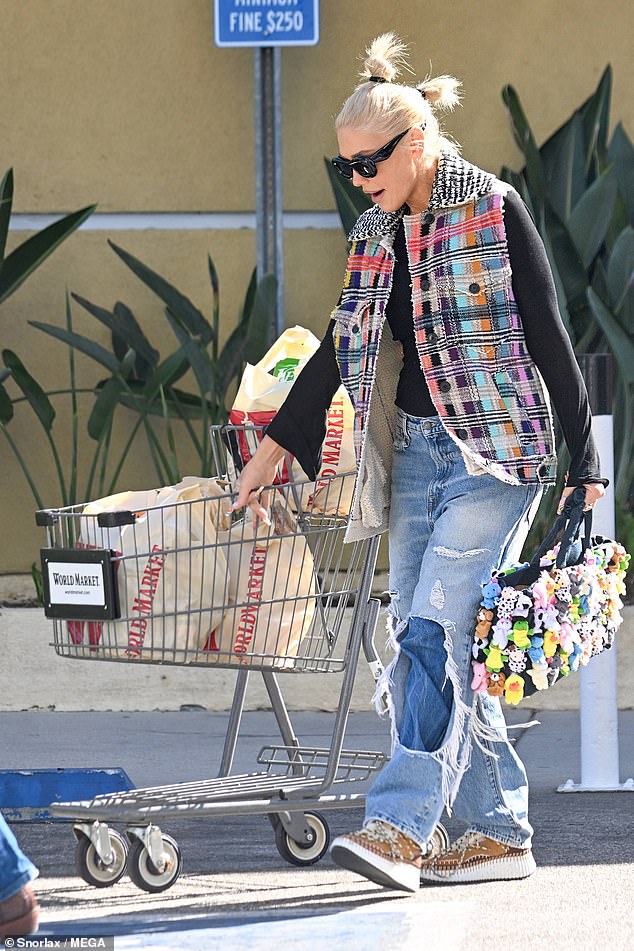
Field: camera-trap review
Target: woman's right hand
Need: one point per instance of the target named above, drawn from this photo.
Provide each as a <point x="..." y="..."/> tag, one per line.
<point x="260" y="471"/>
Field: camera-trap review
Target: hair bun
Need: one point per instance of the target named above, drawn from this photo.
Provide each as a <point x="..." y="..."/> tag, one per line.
<point x="441" y="92"/>
<point x="385" y="58"/>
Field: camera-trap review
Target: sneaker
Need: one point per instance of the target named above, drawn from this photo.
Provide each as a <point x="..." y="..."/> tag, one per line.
<point x="381" y="853"/>
<point x="476" y="858"/>
<point x="19" y="914"/>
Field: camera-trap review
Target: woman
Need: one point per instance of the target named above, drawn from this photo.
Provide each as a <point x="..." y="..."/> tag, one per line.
<point x="448" y="339"/>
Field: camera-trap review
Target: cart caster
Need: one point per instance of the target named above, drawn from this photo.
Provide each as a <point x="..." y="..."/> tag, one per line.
<point x="150" y="875"/>
<point x="95" y="869"/>
<point x="296" y="853"/>
<point x="438" y="842"/>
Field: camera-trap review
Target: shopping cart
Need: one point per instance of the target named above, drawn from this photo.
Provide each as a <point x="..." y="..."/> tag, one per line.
<point x="286" y="599"/>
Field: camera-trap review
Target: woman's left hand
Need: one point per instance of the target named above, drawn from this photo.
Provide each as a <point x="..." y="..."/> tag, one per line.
<point x="594" y="492"/>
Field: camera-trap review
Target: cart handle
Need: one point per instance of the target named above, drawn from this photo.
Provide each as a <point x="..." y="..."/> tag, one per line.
<point x="115" y="519"/>
<point x="44" y="518"/>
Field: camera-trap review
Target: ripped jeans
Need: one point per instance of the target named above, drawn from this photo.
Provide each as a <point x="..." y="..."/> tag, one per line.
<point x="447" y="531"/>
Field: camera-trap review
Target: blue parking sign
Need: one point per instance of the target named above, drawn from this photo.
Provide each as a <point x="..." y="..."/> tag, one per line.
<point x="266" y="22"/>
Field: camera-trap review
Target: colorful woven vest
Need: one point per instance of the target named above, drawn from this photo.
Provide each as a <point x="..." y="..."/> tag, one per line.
<point x="469" y="336"/>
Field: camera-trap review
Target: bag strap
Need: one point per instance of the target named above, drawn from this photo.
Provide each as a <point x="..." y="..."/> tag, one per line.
<point x="569" y="522"/>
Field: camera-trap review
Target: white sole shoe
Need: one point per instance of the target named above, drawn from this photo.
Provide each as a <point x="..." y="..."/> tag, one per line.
<point x="504" y="868"/>
<point x="399" y="875"/>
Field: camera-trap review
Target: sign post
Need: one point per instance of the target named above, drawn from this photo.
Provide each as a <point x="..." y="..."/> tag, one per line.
<point x="268" y="25"/>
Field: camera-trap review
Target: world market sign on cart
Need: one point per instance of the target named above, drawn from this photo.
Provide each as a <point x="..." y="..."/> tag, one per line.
<point x="266" y="22"/>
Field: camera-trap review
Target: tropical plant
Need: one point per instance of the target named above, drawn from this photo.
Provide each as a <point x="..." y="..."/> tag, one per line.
<point x="579" y="187"/>
<point x="140" y="379"/>
<point x="23" y="260"/>
<point x="15" y="268"/>
<point x="30" y="392"/>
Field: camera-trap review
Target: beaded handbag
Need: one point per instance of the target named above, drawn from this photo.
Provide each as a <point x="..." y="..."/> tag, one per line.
<point x="539" y="621"/>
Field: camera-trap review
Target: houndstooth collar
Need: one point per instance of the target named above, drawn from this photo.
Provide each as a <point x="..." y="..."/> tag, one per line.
<point x="456" y="182"/>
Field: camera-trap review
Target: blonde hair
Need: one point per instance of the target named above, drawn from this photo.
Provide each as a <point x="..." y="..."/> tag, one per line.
<point x="389" y="107"/>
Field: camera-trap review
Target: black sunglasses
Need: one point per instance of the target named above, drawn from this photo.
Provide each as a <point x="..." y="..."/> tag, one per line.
<point x="365" y="165"/>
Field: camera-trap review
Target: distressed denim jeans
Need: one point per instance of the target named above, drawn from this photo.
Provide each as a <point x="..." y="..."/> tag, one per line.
<point x="16" y="870"/>
<point x="448" y="529"/>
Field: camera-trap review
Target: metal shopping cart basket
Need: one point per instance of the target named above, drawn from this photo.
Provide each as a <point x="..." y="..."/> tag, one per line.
<point x="186" y="583"/>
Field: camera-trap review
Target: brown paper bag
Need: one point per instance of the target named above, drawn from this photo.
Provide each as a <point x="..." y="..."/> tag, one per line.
<point x="171" y="572"/>
<point x="272" y="590"/>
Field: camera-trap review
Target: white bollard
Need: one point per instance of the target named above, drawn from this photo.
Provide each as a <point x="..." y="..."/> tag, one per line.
<point x="598" y="700"/>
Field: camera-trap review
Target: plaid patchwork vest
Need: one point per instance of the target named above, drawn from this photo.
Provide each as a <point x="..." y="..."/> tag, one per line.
<point x="486" y="389"/>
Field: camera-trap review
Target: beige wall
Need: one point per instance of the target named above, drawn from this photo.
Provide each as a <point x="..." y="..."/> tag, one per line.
<point x="127" y="103"/>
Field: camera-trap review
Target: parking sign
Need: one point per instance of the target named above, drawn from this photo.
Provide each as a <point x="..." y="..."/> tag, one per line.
<point x="266" y="22"/>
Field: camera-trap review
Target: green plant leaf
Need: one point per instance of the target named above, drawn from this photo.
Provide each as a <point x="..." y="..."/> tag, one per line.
<point x="196" y="354"/>
<point x="260" y="329"/>
<point x="595" y="113"/>
<point x="215" y="294"/>
<point x="249" y="297"/>
<point x="22" y="261"/>
<point x="83" y="344"/>
<point x="173" y="368"/>
<point x="124" y="325"/>
<point x="563" y="157"/>
<point x="170" y="437"/>
<point x="600" y="280"/>
<point x="6" y="406"/>
<point x="165" y="375"/>
<point x="6" y="201"/>
<point x="591" y="216"/>
<point x="620" y="342"/>
<point x="621" y="155"/>
<point x="621" y="275"/>
<point x="108" y="396"/>
<point x="179" y="305"/>
<point x="39" y="401"/>
<point x="351" y="202"/>
<point x="185" y="405"/>
<point x="231" y="358"/>
<point x="526" y="141"/>
<point x="146" y="360"/>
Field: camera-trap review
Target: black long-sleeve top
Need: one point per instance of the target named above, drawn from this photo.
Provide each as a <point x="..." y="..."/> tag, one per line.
<point x="300" y="424"/>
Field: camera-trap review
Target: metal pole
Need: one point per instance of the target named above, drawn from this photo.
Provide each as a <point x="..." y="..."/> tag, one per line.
<point x="598" y="705"/>
<point x="267" y="73"/>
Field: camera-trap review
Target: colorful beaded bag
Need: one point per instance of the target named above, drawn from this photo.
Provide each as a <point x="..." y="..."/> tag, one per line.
<point x="539" y="621"/>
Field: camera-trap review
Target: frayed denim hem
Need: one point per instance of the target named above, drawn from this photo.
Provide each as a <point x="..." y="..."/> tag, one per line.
<point x="500" y="837"/>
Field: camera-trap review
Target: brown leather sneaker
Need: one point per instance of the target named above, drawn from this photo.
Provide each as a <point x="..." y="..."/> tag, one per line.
<point x="19" y="914"/>
<point x="476" y="858"/>
<point x="381" y="853"/>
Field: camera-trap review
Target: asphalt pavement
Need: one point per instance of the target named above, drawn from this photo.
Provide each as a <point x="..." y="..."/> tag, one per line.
<point x="236" y="891"/>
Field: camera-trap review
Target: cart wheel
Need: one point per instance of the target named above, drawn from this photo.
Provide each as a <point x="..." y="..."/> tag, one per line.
<point x="291" y="851"/>
<point x="90" y="867"/>
<point x="438" y="842"/>
<point x="143" y="871"/>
